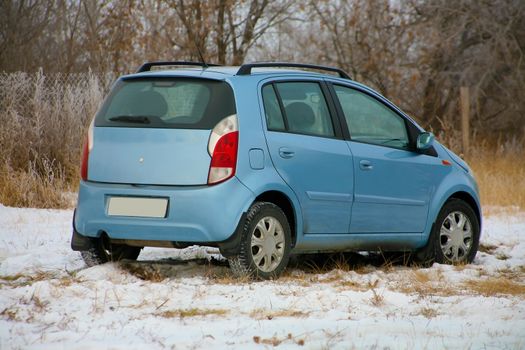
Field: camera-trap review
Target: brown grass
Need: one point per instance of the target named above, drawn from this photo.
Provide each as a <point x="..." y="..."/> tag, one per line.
<point x="193" y="312"/>
<point x="495" y="286"/>
<point x="147" y="272"/>
<point x="499" y="168"/>
<point x="428" y="312"/>
<point x="43" y="121"/>
<point x="276" y="341"/>
<point x="262" y="314"/>
<point x="21" y="280"/>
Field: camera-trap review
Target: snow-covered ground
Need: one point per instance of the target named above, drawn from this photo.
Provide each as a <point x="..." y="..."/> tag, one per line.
<point x="186" y="298"/>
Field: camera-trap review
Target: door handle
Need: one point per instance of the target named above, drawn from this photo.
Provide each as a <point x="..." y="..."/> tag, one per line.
<point x="286" y="152"/>
<point x="366" y="165"/>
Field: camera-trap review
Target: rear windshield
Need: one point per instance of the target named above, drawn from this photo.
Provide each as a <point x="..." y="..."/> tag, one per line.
<point x="167" y="103"/>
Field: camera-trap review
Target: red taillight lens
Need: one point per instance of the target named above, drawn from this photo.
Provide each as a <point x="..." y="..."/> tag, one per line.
<point x="84" y="164"/>
<point x="88" y="146"/>
<point x="223" y="144"/>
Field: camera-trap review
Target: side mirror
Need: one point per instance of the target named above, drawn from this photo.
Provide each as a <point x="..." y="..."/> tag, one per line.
<point x="425" y="141"/>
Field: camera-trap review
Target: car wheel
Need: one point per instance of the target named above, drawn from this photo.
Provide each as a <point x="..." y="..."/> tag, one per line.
<point x="455" y="235"/>
<point x="104" y="251"/>
<point x="265" y="245"/>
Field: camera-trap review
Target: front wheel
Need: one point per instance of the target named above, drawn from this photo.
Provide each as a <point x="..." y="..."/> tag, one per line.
<point x="265" y="245"/>
<point x="455" y="235"/>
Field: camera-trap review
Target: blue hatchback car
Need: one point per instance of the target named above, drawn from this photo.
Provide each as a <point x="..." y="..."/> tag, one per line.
<point x="262" y="161"/>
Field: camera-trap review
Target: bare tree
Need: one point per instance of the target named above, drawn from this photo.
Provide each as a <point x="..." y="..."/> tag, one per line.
<point x="476" y="44"/>
<point x="225" y="30"/>
<point x="21" y="26"/>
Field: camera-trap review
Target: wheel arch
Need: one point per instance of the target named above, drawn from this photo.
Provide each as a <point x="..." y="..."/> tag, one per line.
<point x="452" y="188"/>
<point x="467" y="198"/>
<point x="285" y="203"/>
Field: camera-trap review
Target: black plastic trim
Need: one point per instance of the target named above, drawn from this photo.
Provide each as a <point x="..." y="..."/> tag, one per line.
<point x="231" y="246"/>
<point x="146" y="67"/>
<point x="78" y="241"/>
<point x="246" y="69"/>
<point x="338" y="132"/>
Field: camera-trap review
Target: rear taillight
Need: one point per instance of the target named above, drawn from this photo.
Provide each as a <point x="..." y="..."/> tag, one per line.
<point x="88" y="146"/>
<point x="222" y="146"/>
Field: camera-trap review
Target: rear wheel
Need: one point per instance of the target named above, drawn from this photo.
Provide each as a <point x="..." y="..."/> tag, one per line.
<point x="455" y="235"/>
<point x="265" y="245"/>
<point x="104" y="251"/>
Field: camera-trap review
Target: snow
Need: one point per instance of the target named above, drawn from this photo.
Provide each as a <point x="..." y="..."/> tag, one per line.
<point x="187" y="299"/>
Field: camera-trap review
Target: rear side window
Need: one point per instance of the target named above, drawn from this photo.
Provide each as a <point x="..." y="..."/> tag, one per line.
<point x="303" y="109"/>
<point x="274" y="117"/>
<point x="167" y="103"/>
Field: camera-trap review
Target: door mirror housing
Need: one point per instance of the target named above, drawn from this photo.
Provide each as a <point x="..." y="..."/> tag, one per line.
<point x="425" y="141"/>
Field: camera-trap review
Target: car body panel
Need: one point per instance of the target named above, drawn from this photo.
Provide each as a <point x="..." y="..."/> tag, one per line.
<point x="392" y="193"/>
<point x="149" y="156"/>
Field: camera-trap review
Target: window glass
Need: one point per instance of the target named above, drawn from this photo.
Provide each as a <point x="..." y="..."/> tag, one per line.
<point x="274" y="117"/>
<point x="167" y="103"/>
<point x="370" y="121"/>
<point x="305" y="108"/>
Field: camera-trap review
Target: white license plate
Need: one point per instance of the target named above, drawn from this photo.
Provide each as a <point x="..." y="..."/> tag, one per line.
<point x="138" y="207"/>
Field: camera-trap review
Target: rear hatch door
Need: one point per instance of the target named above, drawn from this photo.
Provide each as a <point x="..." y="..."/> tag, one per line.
<point x="155" y="130"/>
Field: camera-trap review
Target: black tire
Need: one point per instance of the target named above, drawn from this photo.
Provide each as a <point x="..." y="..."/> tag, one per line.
<point x="103" y="251"/>
<point x="463" y="246"/>
<point x="244" y="263"/>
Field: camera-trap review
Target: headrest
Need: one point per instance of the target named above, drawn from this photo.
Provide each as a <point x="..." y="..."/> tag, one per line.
<point x="300" y="116"/>
<point x="148" y="103"/>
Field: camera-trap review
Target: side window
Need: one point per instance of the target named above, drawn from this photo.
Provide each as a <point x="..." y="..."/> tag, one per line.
<point x="370" y="121"/>
<point x="305" y="108"/>
<point x="274" y="117"/>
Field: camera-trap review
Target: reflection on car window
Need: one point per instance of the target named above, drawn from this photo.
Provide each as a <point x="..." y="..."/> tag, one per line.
<point x="305" y="108"/>
<point x="370" y="121"/>
<point x="167" y="103"/>
<point x="274" y="117"/>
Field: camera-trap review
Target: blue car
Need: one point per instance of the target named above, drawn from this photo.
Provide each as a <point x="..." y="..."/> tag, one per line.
<point x="263" y="161"/>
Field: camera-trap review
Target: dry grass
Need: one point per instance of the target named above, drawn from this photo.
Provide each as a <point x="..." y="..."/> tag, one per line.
<point x="32" y="188"/>
<point x="499" y="168"/>
<point x="147" y="272"/>
<point x="21" y="280"/>
<point x="276" y="341"/>
<point x="43" y="122"/>
<point x="496" y="286"/>
<point x="428" y="312"/>
<point x="498" y="165"/>
<point x="193" y="312"/>
<point x="262" y="314"/>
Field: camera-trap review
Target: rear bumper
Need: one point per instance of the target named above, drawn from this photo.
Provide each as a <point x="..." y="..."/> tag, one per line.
<point x="196" y="214"/>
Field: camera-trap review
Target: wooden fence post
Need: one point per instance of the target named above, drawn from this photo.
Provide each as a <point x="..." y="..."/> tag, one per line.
<point x="465" y="117"/>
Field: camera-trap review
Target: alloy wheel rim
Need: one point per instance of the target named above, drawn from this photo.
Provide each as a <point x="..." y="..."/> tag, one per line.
<point x="267" y="244"/>
<point x="456" y="237"/>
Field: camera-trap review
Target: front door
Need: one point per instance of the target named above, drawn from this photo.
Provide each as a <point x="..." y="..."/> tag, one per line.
<point x="393" y="183"/>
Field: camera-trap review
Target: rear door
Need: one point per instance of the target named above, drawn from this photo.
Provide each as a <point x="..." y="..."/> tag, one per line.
<point x="308" y="152"/>
<point x="155" y="130"/>
<point x="393" y="183"/>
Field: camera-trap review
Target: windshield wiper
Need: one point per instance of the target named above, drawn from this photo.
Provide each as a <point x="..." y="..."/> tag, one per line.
<point x="130" y="119"/>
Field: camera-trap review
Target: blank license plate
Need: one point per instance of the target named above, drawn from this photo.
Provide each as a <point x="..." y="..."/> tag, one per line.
<point x="137" y="206"/>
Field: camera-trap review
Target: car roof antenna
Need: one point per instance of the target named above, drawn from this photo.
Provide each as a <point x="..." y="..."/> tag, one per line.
<point x="204" y="64"/>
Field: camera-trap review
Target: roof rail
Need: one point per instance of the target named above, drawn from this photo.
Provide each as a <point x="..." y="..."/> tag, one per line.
<point x="146" y="67"/>
<point x="246" y="69"/>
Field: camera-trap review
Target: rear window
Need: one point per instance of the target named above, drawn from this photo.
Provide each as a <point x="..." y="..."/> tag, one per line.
<point x="167" y="103"/>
